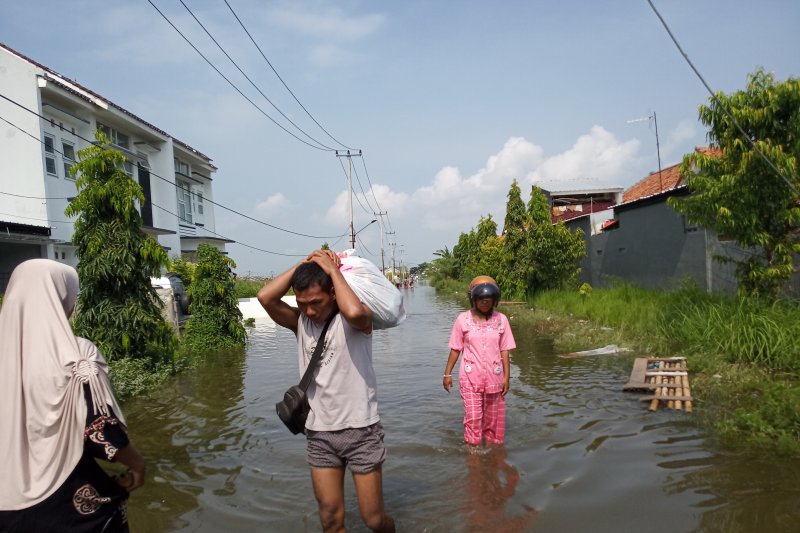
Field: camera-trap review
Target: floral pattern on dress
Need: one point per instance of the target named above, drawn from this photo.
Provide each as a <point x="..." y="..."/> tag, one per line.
<point x="95" y="433"/>
<point x="87" y="500"/>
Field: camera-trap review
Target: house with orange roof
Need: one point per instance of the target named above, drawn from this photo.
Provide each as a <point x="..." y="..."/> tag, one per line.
<point x="648" y="243"/>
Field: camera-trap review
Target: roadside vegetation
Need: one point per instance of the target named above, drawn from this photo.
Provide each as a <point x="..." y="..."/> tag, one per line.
<point x="118" y="309"/>
<point x="742" y="351"/>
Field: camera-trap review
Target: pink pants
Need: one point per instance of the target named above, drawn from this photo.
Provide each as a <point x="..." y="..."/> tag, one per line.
<point x="484" y="417"/>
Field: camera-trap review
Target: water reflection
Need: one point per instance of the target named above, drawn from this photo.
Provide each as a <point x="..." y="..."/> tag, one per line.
<point x="490" y="484"/>
<point x="196" y="421"/>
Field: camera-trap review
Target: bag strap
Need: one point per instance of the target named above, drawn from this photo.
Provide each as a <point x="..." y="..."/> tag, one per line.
<point x="317" y="355"/>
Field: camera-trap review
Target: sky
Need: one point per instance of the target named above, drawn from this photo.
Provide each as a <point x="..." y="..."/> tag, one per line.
<point x="447" y="101"/>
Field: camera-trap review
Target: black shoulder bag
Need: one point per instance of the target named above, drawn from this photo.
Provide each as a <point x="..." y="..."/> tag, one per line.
<point x="293" y="410"/>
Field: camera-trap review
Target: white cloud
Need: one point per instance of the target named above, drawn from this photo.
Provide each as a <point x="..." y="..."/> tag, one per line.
<point x="453" y="203"/>
<point x="329" y="24"/>
<point x="273" y="205"/>
<point x="685" y="131"/>
<point x="597" y="159"/>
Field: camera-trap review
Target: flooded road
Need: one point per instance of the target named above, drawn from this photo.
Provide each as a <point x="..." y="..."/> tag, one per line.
<point x="580" y="454"/>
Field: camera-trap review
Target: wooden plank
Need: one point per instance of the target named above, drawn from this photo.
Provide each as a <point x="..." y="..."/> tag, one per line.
<point x="665" y="398"/>
<point x="667" y="373"/>
<point x="649" y="386"/>
<point x="637" y="378"/>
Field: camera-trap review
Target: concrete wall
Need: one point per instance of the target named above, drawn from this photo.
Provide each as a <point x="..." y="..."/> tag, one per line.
<point x="653" y="246"/>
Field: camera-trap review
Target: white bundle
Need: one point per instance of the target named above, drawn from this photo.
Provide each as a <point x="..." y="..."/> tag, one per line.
<point x="372" y="288"/>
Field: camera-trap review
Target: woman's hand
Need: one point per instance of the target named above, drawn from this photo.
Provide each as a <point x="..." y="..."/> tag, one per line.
<point x="447" y="382"/>
<point x="133" y="478"/>
<point x="505" y="386"/>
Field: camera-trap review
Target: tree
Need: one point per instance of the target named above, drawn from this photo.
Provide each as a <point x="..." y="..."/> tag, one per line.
<point x="216" y="321"/>
<point x="739" y="194"/>
<point x="118" y="309"/>
<point x="553" y="250"/>
<point x="467" y="251"/>
<point x="516" y="270"/>
<point x="444" y="264"/>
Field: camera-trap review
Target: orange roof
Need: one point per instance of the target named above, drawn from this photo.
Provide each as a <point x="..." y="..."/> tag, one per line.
<point x="658" y="182"/>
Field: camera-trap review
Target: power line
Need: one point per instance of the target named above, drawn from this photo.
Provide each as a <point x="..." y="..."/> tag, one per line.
<point x="248" y="78"/>
<point x="233" y="85"/>
<point x="281" y="79"/>
<point x="747" y="137"/>
<point x="156" y="175"/>
<point x="372" y="188"/>
<point x="229" y="239"/>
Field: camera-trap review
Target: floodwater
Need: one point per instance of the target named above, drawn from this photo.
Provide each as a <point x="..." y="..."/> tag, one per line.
<point x="580" y="454"/>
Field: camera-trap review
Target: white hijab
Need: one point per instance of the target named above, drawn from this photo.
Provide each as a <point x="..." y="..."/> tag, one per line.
<point x="43" y="367"/>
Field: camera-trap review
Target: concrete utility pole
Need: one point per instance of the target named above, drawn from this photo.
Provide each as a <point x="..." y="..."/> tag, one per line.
<point x="380" y="221"/>
<point x="349" y="157"/>
<point x="392" y="244"/>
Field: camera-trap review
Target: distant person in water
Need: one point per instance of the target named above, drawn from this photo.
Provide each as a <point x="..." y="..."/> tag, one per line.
<point x="482" y="337"/>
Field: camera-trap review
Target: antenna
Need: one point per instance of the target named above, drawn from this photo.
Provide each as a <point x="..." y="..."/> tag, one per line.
<point x="658" y="147"/>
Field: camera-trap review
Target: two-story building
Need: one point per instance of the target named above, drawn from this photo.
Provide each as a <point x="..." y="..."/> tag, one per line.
<point x="45" y="120"/>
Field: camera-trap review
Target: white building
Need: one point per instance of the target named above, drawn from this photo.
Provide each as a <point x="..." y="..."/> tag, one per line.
<point x="51" y="118"/>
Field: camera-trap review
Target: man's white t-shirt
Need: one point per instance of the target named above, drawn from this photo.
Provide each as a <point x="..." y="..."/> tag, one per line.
<point x="343" y="392"/>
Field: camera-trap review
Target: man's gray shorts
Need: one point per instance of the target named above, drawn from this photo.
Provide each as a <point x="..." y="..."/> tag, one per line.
<point x="360" y="449"/>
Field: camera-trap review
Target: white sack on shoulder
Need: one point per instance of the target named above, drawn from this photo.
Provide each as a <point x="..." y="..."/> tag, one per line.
<point x="372" y="288"/>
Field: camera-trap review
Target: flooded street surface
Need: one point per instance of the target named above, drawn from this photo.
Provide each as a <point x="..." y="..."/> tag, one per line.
<point x="580" y="454"/>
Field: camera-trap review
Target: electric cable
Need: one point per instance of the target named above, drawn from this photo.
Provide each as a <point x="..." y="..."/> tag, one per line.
<point x="747" y="137"/>
<point x="234" y="85"/>
<point x="367" y="211"/>
<point x="364" y="246"/>
<point x="281" y="79"/>
<point x="250" y="80"/>
<point x="156" y="175"/>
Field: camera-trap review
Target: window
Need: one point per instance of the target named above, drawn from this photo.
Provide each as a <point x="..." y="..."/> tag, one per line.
<point x="50" y="155"/>
<point x="181" y="167"/>
<point x="184" y="202"/>
<point x="199" y="198"/>
<point x="117" y="138"/>
<point x="68" y="151"/>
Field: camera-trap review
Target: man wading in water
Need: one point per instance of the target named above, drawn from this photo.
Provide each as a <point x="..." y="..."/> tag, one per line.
<point x="343" y="428"/>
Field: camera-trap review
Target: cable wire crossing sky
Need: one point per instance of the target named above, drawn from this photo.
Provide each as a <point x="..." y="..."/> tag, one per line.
<point x="440" y="104"/>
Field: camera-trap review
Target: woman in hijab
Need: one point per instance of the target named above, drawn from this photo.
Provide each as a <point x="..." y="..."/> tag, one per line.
<point x="57" y="413"/>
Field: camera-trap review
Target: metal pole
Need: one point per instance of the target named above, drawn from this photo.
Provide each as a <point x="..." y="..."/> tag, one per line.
<point x="658" y="152"/>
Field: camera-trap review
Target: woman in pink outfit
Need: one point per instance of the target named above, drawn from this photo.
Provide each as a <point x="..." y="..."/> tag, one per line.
<point x="483" y="336"/>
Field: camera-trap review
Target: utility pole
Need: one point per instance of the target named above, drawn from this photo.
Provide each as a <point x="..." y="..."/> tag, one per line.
<point x="349" y="157"/>
<point x="392" y="244"/>
<point x="380" y="221"/>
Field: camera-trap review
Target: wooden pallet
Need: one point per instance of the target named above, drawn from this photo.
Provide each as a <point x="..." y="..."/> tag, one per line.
<point x="666" y="377"/>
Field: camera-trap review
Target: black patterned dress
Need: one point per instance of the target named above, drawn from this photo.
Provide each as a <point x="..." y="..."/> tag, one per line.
<point x="89" y="500"/>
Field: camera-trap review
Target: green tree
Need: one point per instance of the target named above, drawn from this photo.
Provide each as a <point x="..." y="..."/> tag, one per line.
<point x="183" y="268"/>
<point x="553" y="250"/>
<point x="216" y="321"/>
<point x="491" y="258"/>
<point x="445" y="264"/>
<point x="513" y="279"/>
<point x="739" y="194"/>
<point x="467" y="251"/>
<point x="118" y="309"/>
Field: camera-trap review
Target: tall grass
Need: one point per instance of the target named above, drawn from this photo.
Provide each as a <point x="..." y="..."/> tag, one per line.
<point x="737" y="330"/>
<point x="742" y="331"/>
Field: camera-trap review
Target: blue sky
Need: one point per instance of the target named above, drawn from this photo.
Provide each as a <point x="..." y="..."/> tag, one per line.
<point x="449" y="101"/>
